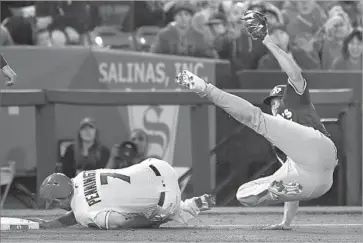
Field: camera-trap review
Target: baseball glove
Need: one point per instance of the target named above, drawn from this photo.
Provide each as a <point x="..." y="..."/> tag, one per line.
<point x="256" y="24"/>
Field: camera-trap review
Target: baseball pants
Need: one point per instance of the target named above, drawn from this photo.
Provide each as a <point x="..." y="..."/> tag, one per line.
<point x="312" y="155"/>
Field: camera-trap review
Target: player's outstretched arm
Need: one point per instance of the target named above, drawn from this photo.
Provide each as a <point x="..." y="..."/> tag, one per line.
<point x="256" y="27"/>
<point x="290" y="210"/>
<point x="287" y="63"/>
<point x="65" y="220"/>
<point x="116" y="220"/>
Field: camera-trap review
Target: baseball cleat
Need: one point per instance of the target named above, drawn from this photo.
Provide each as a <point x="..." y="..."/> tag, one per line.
<point x="190" y="81"/>
<point x="205" y="202"/>
<point x="278" y="189"/>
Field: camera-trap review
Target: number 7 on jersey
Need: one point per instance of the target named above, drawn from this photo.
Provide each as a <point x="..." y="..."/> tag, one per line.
<point x="104" y="177"/>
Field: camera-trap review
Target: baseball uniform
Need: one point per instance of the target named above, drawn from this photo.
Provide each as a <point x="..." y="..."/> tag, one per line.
<point x="298" y="132"/>
<point x="144" y="193"/>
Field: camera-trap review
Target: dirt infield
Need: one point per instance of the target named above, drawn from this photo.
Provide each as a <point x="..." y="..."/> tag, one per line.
<point x="219" y="225"/>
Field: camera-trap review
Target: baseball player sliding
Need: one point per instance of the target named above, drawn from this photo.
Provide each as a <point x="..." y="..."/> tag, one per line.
<point x="141" y="196"/>
<point x="294" y="127"/>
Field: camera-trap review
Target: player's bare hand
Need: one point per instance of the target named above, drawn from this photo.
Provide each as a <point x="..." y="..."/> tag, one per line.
<point x="43" y="224"/>
<point x="280" y="226"/>
<point x="9" y="82"/>
<point x="190" y="81"/>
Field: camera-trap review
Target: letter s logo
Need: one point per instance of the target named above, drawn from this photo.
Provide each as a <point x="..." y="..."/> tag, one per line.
<point x="158" y="131"/>
<point x="287" y="114"/>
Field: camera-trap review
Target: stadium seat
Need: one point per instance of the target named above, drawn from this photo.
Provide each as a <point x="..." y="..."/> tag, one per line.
<point x="145" y="36"/>
<point x="7" y="174"/>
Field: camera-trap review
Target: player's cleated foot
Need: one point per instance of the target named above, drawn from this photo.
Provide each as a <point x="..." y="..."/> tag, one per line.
<point x="205" y="202"/>
<point x="279" y="190"/>
<point x="190" y="81"/>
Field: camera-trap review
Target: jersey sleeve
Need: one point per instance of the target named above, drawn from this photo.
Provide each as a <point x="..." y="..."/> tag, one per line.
<point x="3" y="62"/>
<point x="295" y="99"/>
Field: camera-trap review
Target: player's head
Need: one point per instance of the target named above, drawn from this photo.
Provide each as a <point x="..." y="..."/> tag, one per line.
<point x="57" y="190"/>
<point x="275" y="98"/>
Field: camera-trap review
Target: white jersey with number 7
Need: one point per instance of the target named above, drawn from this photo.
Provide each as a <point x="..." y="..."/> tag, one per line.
<point x="150" y="189"/>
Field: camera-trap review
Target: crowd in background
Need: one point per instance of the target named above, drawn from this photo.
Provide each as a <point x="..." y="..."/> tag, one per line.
<point x="86" y="151"/>
<point x="317" y="34"/>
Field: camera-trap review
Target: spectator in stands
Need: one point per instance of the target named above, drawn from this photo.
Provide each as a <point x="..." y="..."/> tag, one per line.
<point x="304" y="18"/>
<point x="273" y="15"/>
<point x="20" y="29"/>
<point x="351" y="57"/>
<point x="354" y="11"/>
<point x="179" y="38"/>
<point x="337" y="28"/>
<point x="5" y="37"/>
<point x="236" y="12"/>
<point x="68" y="22"/>
<point x="200" y="19"/>
<point x="281" y="38"/>
<point x="14" y="8"/>
<point x="144" y="13"/>
<point x="43" y="38"/>
<point x="87" y="152"/>
<point x="222" y="37"/>
<point x="123" y="155"/>
<point x="130" y="152"/>
<point x="236" y="45"/>
<point x="140" y="138"/>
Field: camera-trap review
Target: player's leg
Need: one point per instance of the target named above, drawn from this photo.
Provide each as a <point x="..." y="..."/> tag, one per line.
<point x="262" y="191"/>
<point x="303" y="144"/>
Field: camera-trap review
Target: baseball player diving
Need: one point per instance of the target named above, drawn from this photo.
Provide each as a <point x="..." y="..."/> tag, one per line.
<point x="144" y="195"/>
<point x="294" y="127"/>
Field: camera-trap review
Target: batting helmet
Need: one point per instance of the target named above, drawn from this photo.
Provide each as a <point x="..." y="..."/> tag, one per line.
<point x="277" y="91"/>
<point x="56" y="186"/>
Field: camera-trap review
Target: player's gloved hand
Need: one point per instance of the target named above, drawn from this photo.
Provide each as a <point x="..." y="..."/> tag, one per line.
<point x="281" y="226"/>
<point x="255" y="24"/>
<point x="191" y="81"/>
